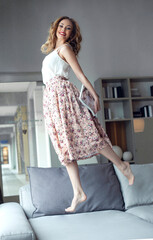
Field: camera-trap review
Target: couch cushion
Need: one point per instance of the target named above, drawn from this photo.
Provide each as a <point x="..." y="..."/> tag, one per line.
<point x="100" y="225"/>
<point x="51" y="189"/>
<point x="144" y="212"/>
<point x="141" y="192"/>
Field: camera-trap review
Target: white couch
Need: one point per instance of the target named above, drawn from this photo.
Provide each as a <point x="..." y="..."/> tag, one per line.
<point x="135" y="222"/>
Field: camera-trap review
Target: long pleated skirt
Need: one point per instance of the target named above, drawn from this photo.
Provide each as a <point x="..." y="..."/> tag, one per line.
<point x="75" y="133"/>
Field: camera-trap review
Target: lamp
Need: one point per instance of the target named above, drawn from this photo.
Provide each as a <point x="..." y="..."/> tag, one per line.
<point x="138" y="125"/>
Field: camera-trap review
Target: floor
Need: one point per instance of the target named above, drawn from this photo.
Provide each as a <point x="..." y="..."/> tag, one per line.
<point x="12" y="181"/>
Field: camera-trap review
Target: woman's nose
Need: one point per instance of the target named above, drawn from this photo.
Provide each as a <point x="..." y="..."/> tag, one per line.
<point x="63" y="30"/>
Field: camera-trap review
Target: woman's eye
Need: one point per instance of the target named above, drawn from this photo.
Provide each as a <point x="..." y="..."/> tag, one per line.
<point x="68" y="28"/>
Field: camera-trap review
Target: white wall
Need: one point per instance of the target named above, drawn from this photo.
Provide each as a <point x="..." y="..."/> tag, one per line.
<point x="117" y="35"/>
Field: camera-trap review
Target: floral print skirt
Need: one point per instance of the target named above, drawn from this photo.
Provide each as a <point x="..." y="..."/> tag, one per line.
<point x="75" y="133"/>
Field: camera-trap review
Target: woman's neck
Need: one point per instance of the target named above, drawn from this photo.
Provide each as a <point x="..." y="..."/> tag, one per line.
<point x="59" y="43"/>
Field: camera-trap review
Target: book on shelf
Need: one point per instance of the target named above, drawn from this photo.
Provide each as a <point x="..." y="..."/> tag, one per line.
<point x="108" y="114"/>
<point x="120" y="92"/>
<point x="137" y="114"/>
<point x="150" y="110"/>
<point x="147" y="111"/>
<point x="117" y="92"/>
<point x="144" y="111"/>
<point x="151" y="90"/>
<point x="103" y="92"/>
<point x="113" y="92"/>
<point x="108" y="92"/>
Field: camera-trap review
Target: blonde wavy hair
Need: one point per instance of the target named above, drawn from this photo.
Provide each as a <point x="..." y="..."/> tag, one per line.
<point x="74" y="39"/>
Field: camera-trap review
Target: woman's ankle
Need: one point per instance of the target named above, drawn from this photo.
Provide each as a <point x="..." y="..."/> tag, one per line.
<point x="78" y="192"/>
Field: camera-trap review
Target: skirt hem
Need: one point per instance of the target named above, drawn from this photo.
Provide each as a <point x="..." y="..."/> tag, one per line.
<point x="65" y="163"/>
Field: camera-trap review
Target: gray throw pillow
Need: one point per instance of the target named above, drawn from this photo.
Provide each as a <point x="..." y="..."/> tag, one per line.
<point x="51" y="189"/>
<point x="141" y="192"/>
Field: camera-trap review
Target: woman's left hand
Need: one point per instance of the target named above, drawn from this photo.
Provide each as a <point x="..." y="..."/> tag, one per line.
<point x="97" y="104"/>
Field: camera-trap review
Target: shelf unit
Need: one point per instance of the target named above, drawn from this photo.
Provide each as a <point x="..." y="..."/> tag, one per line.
<point x="122" y="101"/>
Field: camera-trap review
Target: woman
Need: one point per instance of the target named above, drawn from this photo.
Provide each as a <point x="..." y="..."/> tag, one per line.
<point x="74" y="132"/>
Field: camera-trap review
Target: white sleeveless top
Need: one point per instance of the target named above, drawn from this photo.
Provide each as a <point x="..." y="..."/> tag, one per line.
<point x="53" y="65"/>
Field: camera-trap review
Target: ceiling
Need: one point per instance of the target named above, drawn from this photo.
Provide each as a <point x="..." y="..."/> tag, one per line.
<point x="11" y="87"/>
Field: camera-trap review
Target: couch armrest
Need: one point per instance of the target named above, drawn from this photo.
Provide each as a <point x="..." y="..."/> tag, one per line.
<point x="14" y="224"/>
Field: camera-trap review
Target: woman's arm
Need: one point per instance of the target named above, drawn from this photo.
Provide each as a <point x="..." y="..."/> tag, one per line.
<point x="69" y="56"/>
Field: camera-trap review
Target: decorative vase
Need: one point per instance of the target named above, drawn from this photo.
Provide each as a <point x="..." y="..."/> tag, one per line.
<point x="118" y="151"/>
<point x="127" y="156"/>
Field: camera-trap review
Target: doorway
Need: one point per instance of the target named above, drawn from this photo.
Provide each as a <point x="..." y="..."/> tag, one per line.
<point x="22" y="130"/>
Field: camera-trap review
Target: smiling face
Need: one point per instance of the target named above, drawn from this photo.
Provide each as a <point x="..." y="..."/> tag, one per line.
<point x="64" y="30"/>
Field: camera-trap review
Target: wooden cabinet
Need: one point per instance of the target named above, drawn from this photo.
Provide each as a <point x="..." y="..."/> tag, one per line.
<point x="125" y="102"/>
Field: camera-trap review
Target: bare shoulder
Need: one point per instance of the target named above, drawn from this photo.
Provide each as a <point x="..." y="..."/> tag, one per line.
<point x="67" y="49"/>
<point x="68" y="55"/>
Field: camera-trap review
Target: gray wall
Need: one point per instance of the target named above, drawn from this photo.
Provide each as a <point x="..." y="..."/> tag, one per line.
<point x="117" y="35"/>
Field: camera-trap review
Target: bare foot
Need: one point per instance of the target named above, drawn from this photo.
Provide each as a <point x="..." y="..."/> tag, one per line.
<point x="76" y="200"/>
<point x="128" y="173"/>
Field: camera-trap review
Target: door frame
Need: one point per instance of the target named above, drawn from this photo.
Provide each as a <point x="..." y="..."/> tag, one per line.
<point x="12" y="77"/>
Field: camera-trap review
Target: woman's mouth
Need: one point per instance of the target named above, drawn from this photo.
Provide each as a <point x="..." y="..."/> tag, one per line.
<point x="62" y="33"/>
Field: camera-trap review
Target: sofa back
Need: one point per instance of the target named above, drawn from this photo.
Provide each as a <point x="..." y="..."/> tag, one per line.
<point x="140" y="193"/>
<point x="50" y="190"/>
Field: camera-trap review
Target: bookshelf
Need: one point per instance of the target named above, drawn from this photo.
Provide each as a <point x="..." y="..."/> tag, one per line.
<point x="122" y="101"/>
